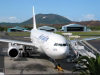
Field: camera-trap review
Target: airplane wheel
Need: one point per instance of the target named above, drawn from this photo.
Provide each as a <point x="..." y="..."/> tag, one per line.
<point x="25" y="54"/>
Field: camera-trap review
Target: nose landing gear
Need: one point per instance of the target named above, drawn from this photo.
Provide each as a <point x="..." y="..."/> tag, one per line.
<point x="57" y="66"/>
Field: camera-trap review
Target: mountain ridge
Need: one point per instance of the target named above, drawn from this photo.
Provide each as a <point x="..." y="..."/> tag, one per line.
<point x="51" y="20"/>
<point x="48" y="19"/>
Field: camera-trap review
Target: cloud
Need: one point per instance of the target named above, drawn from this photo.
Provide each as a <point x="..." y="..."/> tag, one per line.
<point x="89" y="17"/>
<point x="11" y="19"/>
<point x="86" y="17"/>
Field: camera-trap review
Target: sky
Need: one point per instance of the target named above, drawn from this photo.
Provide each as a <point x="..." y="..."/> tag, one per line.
<point x="75" y="10"/>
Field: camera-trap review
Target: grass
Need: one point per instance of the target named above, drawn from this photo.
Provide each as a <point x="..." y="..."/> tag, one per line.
<point x="84" y="34"/>
<point x="18" y="33"/>
<point x="81" y="34"/>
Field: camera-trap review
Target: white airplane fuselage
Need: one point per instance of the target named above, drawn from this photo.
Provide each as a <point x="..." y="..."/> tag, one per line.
<point x="51" y="44"/>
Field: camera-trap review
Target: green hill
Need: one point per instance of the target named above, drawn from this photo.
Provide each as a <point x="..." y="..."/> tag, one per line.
<point x="53" y="20"/>
<point x="4" y="24"/>
<point x="48" y="19"/>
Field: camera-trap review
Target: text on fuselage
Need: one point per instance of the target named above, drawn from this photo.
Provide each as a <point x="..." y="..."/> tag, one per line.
<point x="43" y="38"/>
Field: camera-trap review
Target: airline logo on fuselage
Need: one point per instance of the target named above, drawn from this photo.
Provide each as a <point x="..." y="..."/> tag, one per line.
<point x="43" y="38"/>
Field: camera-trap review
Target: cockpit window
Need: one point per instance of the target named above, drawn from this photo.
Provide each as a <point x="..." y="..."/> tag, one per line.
<point x="59" y="44"/>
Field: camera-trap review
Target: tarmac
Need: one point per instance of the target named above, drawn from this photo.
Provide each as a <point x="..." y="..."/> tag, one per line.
<point x="95" y="43"/>
<point x="28" y="66"/>
<point x="34" y="65"/>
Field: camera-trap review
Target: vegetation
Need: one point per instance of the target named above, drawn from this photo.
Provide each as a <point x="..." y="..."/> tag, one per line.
<point x="86" y="33"/>
<point x="83" y="33"/>
<point x="28" y="27"/>
<point x="92" y="65"/>
<point x="94" y="27"/>
<point x="52" y="20"/>
<point x="3" y="24"/>
<point x="3" y="28"/>
<point x="74" y="33"/>
<point x="48" y="19"/>
<point x="19" y="33"/>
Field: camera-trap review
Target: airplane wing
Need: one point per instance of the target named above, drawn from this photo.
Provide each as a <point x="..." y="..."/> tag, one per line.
<point x="87" y="39"/>
<point x="93" y="38"/>
<point x="16" y="42"/>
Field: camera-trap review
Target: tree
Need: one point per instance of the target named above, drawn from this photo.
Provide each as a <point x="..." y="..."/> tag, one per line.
<point x="92" y="65"/>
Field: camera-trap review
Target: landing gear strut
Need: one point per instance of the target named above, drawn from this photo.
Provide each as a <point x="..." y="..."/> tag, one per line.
<point x="57" y="66"/>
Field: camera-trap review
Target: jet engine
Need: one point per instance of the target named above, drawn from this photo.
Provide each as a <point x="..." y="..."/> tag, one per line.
<point x="13" y="52"/>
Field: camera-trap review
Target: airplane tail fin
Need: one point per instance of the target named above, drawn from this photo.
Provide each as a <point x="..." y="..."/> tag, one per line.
<point x="34" y="19"/>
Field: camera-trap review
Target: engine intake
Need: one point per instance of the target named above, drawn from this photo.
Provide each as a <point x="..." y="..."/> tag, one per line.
<point x="13" y="52"/>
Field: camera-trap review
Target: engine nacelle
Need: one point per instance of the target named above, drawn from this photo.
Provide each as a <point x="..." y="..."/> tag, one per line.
<point x="13" y="52"/>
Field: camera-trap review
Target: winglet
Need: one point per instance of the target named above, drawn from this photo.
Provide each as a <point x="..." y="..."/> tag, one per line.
<point x="34" y="20"/>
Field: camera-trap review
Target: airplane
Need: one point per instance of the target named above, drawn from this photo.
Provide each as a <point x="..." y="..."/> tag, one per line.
<point x="53" y="45"/>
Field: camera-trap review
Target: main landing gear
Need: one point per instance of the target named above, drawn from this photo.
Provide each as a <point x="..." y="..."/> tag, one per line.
<point x="57" y="66"/>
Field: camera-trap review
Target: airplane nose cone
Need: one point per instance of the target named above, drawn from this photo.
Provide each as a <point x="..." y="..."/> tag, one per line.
<point x="62" y="53"/>
<point x="59" y="53"/>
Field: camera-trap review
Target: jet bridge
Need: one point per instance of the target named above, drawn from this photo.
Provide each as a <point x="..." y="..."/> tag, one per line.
<point x="80" y="48"/>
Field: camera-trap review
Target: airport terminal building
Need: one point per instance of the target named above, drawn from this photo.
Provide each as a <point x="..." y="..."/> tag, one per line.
<point x="16" y="29"/>
<point x="74" y="27"/>
<point x="48" y="28"/>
